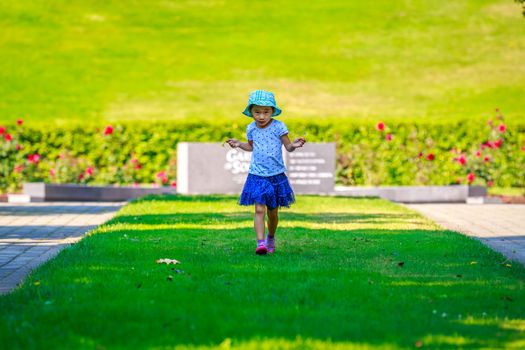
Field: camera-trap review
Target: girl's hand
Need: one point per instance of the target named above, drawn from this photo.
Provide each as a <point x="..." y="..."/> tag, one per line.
<point x="299" y="142"/>
<point x="233" y="143"/>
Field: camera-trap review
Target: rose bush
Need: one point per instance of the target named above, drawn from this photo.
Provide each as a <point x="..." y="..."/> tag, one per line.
<point x="368" y="153"/>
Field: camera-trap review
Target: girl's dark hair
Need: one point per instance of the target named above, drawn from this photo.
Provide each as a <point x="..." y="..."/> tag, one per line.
<point x="250" y="107"/>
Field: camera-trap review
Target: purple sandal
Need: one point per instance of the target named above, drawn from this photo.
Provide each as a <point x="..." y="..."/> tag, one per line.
<point x="261" y="249"/>
<point x="270" y="244"/>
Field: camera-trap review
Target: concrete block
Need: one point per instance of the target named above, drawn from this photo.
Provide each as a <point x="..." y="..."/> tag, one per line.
<point x="483" y="200"/>
<point x="71" y="192"/>
<point x="18" y="198"/>
<point x="412" y="194"/>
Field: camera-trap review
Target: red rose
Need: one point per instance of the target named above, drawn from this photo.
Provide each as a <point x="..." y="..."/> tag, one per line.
<point x="490" y="183"/>
<point x="19" y="122"/>
<point x="470" y="177"/>
<point x="52" y="172"/>
<point x="33" y="158"/>
<point x="388" y="137"/>
<point x="18" y="147"/>
<point x="430" y="156"/>
<point x="89" y="170"/>
<point x="380" y="126"/>
<point x="137" y="165"/>
<point x="2" y="130"/>
<point x="486" y="144"/>
<point x="478" y="154"/>
<point x="162" y="176"/>
<point x="462" y="160"/>
<point x="80" y="177"/>
<point x="486" y="158"/>
<point x="8" y="137"/>
<point x="502" y="128"/>
<point x="108" y="130"/>
<point x="498" y="143"/>
<point x="173" y="184"/>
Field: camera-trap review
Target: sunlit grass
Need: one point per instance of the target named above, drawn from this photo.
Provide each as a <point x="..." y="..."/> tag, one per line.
<point x="108" y="61"/>
<point x="263" y="343"/>
<point x="348" y="274"/>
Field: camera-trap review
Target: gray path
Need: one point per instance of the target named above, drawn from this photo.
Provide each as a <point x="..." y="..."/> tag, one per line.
<point x="32" y="233"/>
<point x="499" y="226"/>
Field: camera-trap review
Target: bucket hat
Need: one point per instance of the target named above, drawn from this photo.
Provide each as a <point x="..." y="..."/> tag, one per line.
<point x="262" y="98"/>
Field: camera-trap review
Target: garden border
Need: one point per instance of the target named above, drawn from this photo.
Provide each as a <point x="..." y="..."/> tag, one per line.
<point x="416" y="194"/>
<point x="40" y="191"/>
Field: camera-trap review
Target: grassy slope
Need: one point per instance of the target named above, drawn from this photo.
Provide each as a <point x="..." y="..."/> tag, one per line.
<point x="334" y="280"/>
<point x="111" y="60"/>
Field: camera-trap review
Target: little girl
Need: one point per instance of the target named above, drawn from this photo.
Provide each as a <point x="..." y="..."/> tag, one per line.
<point x="266" y="186"/>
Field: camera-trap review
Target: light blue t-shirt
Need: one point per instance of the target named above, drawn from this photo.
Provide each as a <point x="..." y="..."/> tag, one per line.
<point x="267" y="156"/>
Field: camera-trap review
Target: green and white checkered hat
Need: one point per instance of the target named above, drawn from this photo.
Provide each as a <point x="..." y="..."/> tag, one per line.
<point x="262" y="98"/>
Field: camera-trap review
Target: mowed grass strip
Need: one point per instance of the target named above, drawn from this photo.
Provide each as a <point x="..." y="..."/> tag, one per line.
<point x="348" y="273"/>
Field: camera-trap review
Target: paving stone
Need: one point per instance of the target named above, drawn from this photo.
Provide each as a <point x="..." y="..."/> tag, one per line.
<point x="499" y="226"/>
<point x="37" y="232"/>
<point x="37" y="249"/>
<point x="4" y="272"/>
<point x="13" y="250"/>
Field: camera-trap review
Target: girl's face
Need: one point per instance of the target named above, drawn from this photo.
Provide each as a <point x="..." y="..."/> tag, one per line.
<point x="262" y="114"/>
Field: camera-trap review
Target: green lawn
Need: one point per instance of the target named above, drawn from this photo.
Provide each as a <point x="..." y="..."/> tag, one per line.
<point x="80" y="61"/>
<point x="348" y="273"/>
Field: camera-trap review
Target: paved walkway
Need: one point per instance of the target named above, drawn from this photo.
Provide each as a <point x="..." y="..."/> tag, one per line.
<point x="499" y="226"/>
<point x="32" y="233"/>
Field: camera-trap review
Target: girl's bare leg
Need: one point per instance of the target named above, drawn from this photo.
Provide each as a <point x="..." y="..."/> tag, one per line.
<point x="273" y="221"/>
<point x="258" y="222"/>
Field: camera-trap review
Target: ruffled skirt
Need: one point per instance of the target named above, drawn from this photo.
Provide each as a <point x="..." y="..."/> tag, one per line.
<point x="272" y="191"/>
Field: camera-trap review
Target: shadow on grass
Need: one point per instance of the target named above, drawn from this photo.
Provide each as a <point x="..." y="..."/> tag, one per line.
<point x="233" y="198"/>
<point x="185" y="198"/>
<point x="205" y="217"/>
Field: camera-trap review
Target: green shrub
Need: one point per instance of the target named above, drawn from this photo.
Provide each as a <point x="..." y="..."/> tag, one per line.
<point x="416" y="154"/>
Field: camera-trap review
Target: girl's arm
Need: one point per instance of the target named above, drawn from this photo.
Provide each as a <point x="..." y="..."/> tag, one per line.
<point x="245" y="146"/>
<point x="291" y="146"/>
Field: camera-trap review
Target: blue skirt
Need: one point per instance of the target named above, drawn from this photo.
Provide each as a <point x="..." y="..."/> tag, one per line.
<point x="272" y="191"/>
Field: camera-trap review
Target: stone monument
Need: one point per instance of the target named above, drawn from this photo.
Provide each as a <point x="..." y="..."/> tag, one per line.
<point x="207" y="168"/>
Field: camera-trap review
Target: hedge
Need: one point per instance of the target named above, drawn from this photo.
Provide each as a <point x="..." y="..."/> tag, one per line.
<point x="368" y="153"/>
